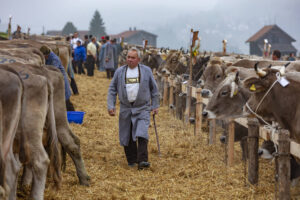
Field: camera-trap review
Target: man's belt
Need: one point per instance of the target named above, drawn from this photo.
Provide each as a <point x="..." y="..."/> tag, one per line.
<point x="132" y="80"/>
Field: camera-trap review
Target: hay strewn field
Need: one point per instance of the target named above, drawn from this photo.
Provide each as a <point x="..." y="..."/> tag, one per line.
<point x="188" y="168"/>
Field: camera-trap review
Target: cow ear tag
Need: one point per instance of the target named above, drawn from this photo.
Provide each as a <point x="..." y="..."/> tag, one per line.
<point x="282" y="80"/>
<point x="252" y="88"/>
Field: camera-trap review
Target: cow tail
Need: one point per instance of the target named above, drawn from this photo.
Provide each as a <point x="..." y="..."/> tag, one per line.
<point x="52" y="144"/>
<point x="24" y="152"/>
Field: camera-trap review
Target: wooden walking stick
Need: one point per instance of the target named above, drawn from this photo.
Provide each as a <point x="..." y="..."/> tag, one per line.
<point x="157" y="141"/>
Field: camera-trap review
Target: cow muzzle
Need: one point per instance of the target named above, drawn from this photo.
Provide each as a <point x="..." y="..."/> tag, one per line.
<point x="205" y="93"/>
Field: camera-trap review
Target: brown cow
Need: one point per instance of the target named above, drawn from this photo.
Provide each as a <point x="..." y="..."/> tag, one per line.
<point x="10" y="104"/>
<point x="280" y="101"/>
<point x="37" y="105"/>
<point x="69" y="141"/>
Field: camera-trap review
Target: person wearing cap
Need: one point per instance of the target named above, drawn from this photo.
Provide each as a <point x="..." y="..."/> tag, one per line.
<point x="138" y="95"/>
<point x="17" y="34"/>
<point x="52" y="59"/>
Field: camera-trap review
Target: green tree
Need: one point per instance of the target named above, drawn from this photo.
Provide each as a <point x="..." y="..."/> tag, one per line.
<point x="97" y="27"/>
<point x="68" y="28"/>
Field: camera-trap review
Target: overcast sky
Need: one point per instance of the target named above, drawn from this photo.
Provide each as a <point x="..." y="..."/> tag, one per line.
<point x="171" y="20"/>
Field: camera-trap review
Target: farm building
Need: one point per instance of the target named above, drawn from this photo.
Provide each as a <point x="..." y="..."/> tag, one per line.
<point x="278" y="39"/>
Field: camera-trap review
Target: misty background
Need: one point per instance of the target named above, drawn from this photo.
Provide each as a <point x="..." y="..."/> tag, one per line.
<point x="171" y="21"/>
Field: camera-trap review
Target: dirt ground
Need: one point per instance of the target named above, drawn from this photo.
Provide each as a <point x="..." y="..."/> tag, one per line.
<point x="189" y="168"/>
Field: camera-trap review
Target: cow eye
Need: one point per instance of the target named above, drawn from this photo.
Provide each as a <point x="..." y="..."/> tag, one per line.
<point x="218" y="76"/>
<point x="224" y="93"/>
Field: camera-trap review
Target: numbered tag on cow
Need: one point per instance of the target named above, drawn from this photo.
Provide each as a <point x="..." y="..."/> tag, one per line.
<point x="283" y="81"/>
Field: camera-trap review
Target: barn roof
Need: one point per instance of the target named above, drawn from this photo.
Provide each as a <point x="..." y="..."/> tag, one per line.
<point x="264" y="30"/>
<point x="127" y="34"/>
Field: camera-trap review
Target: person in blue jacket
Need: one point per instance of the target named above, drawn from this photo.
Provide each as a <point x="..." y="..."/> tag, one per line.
<point x="52" y="59"/>
<point x="80" y="57"/>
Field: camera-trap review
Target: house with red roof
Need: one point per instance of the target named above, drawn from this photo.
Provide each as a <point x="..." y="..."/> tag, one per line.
<point x="278" y="39"/>
<point x="136" y="37"/>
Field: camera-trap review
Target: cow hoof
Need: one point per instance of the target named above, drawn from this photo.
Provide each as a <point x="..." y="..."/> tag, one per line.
<point x="85" y="181"/>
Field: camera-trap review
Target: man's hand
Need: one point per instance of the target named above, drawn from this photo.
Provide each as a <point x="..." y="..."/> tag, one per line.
<point x="112" y="112"/>
<point x="155" y="111"/>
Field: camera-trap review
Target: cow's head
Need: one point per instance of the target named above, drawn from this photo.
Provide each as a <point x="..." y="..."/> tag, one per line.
<point x="228" y="99"/>
<point x="213" y="74"/>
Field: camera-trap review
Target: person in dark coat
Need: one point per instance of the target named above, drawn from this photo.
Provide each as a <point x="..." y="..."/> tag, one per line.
<point x="109" y="59"/>
<point x="138" y="94"/>
<point x="101" y="55"/>
<point x="52" y="59"/>
<point x="80" y="57"/>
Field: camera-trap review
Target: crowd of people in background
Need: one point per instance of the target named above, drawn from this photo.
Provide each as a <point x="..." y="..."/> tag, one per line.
<point x="104" y="54"/>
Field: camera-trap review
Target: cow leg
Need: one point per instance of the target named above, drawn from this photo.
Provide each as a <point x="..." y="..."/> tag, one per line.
<point x="71" y="144"/>
<point x="40" y="165"/>
<point x="26" y="176"/>
<point x="13" y="167"/>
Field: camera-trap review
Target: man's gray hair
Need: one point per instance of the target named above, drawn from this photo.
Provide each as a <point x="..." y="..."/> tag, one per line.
<point x="136" y="50"/>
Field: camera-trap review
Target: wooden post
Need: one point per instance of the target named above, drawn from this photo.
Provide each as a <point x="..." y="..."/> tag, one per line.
<point x="253" y="134"/>
<point x="224" y="47"/>
<point x="230" y="144"/>
<point x="212" y="131"/>
<point x="199" y="106"/>
<point x="178" y="100"/>
<point x="9" y="29"/>
<point x="189" y="89"/>
<point x="165" y="98"/>
<point x="284" y="166"/>
<point x="171" y="95"/>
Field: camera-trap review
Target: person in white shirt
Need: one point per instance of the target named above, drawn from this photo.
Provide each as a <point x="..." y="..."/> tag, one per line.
<point x="74" y="40"/>
<point x="91" y="52"/>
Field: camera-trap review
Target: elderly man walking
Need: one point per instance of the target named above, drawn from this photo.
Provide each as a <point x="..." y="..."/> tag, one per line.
<point x="138" y="95"/>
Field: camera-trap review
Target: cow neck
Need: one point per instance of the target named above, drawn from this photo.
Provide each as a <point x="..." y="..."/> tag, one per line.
<point x="255" y="112"/>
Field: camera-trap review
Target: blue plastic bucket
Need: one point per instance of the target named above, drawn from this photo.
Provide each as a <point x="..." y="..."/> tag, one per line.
<point x="75" y="116"/>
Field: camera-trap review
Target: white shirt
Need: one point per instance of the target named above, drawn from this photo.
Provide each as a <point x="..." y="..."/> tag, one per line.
<point x="91" y="49"/>
<point x="74" y="42"/>
<point x="132" y="83"/>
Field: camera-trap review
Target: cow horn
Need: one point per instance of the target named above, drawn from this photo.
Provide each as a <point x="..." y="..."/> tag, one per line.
<point x="149" y="58"/>
<point x="287" y="64"/>
<point x="261" y="73"/>
<point x="237" y="77"/>
<point x="233" y="89"/>
<point x="256" y="66"/>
